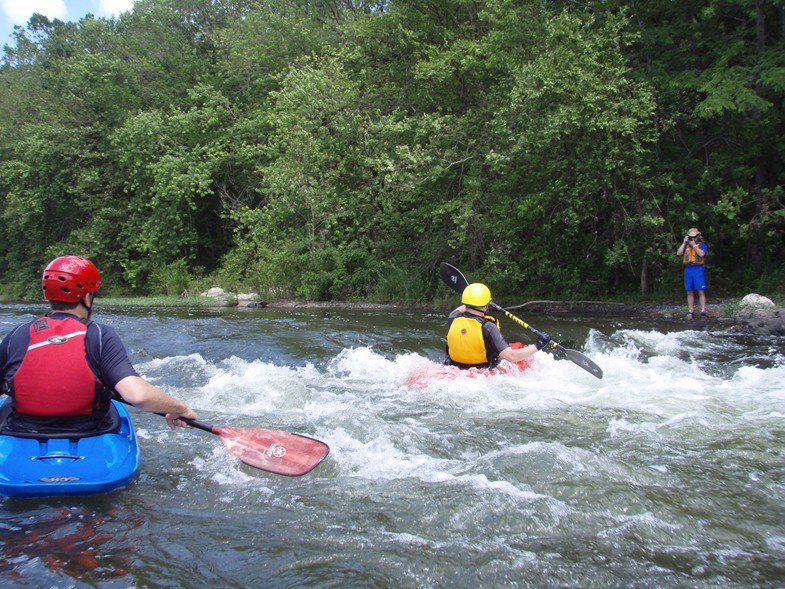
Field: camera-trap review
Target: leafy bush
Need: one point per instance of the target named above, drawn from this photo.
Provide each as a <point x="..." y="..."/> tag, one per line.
<point x="172" y="279"/>
<point x="399" y="284"/>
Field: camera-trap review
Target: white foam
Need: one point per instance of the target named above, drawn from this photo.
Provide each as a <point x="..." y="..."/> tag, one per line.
<point x="379" y="428"/>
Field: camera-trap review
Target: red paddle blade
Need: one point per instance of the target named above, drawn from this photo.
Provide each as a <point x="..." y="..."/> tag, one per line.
<point x="272" y="450"/>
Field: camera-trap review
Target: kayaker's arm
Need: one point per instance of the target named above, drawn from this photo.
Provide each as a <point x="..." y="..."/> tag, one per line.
<point x="517" y="354"/>
<point x="143" y="395"/>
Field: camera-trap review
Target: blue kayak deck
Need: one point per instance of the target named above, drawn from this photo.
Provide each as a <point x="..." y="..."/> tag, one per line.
<point x="38" y="467"/>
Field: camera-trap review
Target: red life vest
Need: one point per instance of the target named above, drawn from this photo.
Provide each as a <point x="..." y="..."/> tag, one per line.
<point x="54" y="378"/>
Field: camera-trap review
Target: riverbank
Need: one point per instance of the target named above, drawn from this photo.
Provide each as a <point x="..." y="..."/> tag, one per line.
<point x="658" y="309"/>
<point x="731" y="313"/>
<point x="760" y="319"/>
<point x="669" y="309"/>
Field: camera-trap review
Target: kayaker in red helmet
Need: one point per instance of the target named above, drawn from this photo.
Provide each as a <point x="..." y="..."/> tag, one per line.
<point x="61" y="369"/>
<point x="474" y="339"/>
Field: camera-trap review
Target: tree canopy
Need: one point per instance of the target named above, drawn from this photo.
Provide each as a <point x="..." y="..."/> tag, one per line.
<point x="340" y="149"/>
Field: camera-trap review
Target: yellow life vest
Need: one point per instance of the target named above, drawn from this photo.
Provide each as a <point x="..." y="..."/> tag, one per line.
<point x="465" y="341"/>
<point x="691" y="257"/>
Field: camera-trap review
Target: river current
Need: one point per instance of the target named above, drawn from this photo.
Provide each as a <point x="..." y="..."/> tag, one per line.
<point x="669" y="472"/>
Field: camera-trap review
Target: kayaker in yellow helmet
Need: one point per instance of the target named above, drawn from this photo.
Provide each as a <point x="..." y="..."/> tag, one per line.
<point x="474" y="339"/>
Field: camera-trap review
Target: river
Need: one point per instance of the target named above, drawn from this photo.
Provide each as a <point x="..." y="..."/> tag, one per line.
<point x="669" y="472"/>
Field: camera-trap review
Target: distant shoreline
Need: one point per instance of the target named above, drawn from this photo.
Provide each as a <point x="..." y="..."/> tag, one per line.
<point x="725" y="313"/>
<point x="661" y="309"/>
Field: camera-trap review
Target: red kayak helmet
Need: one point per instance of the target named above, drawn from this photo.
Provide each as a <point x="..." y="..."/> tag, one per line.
<point x="69" y="279"/>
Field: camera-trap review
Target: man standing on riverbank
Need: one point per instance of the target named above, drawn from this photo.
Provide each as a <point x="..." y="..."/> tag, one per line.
<point x="693" y="252"/>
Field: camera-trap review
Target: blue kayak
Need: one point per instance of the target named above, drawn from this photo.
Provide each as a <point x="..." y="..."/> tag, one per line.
<point x="69" y="464"/>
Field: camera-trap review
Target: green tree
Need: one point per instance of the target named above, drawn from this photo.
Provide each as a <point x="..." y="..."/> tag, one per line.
<point x="329" y="148"/>
<point x="716" y="69"/>
<point x="170" y="160"/>
<point x="578" y="174"/>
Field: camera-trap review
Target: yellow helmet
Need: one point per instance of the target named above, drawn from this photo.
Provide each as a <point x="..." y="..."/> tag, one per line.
<point x="476" y="295"/>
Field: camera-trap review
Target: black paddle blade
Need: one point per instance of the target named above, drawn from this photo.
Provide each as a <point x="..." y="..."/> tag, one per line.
<point x="577" y="358"/>
<point x="452" y="277"/>
<point x="572" y="355"/>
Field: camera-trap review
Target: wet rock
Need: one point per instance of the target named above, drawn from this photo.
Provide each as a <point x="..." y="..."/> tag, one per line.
<point x="760" y="316"/>
<point x="231" y="299"/>
<point x="756" y="300"/>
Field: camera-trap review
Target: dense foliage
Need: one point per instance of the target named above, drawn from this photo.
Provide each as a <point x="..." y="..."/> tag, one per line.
<point x="339" y="149"/>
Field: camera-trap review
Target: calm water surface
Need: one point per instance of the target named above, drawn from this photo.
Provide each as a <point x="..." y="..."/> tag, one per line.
<point x="669" y="472"/>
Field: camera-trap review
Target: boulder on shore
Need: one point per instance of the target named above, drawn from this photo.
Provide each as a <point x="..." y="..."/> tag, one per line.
<point x="232" y="299"/>
<point x="756" y="300"/>
<point x="760" y="316"/>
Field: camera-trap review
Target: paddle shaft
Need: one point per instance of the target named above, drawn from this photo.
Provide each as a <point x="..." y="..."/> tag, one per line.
<point x="523" y="324"/>
<point x="195" y="423"/>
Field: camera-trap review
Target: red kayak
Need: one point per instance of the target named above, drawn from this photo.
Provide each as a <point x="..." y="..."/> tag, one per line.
<point x="440" y="372"/>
